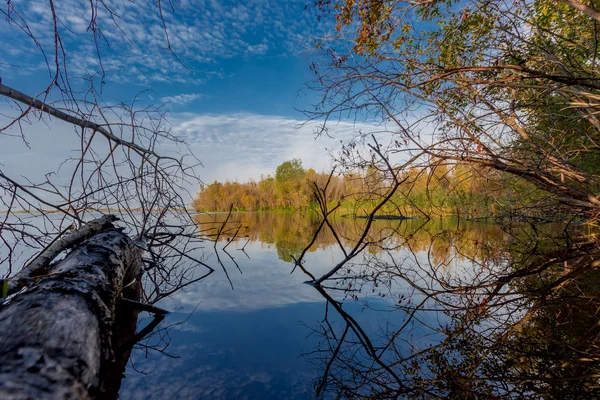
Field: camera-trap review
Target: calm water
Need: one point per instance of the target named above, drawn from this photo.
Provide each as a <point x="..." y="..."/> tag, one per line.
<point x="252" y="330"/>
<point x="425" y="310"/>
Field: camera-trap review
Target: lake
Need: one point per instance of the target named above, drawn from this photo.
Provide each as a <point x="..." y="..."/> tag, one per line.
<point x="393" y="320"/>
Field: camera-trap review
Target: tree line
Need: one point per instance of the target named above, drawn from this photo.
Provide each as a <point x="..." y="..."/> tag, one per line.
<point x="442" y="189"/>
<point x="290" y="188"/>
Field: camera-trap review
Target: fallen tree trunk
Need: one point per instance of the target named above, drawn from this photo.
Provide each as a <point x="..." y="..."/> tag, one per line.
<point x="39" y="265"/>
<point x="56" y="335"/>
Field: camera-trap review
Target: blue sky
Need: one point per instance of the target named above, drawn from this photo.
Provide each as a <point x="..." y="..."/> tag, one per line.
<point x="234" y="95"/>
<point x="230" y="52"/>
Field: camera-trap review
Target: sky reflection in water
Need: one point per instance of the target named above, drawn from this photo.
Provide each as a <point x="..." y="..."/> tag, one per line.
<point x="248" y="343"/>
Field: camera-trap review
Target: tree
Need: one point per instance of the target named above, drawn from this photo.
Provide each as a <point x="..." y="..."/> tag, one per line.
<point x="507" y="91"/>
<point x="511" y="87"/>
<point x="64" y="361"/>
<point x="117" y="166"/>
<point x="289" y="171"/>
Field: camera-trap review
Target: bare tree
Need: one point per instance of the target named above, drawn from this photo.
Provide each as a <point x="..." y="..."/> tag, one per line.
<point x="124" y="162"/>
<point x="503" y="87"/>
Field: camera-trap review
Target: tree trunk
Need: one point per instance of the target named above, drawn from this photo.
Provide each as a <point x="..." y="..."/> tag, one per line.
<point x="56" y="336"/>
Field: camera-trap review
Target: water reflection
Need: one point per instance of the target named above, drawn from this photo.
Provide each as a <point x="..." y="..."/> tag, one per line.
<point x="493" y="313"/>
<point x="289" y="233"/>
<point x="431" y="309"/>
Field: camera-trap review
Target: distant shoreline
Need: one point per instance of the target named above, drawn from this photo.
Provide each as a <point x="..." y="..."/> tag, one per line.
<point x="102" y="211"/>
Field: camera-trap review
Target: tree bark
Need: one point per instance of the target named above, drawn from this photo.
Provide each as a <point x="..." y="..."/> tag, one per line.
<point x="56" y="336"/>
<point x="39" y="265"/>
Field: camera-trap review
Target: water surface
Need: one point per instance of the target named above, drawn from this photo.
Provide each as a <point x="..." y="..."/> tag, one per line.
<point x="252" y="329"/>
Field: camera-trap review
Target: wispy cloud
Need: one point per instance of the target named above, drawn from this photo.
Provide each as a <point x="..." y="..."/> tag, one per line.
<point x="133" y="47"/>
<point x="181" y="98"/>
<point x="243" y="146"/>
<point x="232" y="146"/>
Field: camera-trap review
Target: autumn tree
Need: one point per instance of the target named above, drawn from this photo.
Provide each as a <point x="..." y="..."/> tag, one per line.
<point x="511" y="87"/>
<point x="503" y="91"/>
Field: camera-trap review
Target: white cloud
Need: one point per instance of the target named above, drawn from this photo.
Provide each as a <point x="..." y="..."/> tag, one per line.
<point x="200" y="33"/>
<point x="234" y="146"/>
<point x="257" y="49"/>
<point x="181" y="98"/>
<point x="244" y="146"/>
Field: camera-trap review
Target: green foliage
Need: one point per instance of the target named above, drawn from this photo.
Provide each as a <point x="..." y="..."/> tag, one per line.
<point x="289" y="171"/>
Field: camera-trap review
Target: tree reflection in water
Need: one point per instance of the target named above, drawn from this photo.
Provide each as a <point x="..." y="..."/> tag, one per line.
<point x="467" y="310"/>
<point x="476" y="316"/>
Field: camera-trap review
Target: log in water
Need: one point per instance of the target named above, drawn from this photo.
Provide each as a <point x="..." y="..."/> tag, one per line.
<point x="56" y="336"/>
<point x="386" y="217"/>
